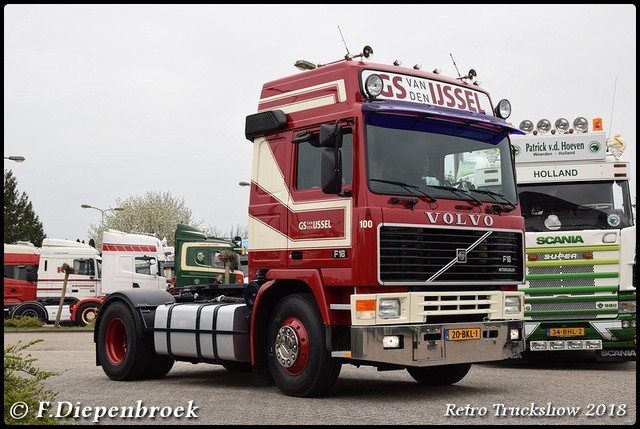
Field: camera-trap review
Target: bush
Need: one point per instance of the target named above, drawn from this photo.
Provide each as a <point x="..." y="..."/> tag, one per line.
<point x="24" y="382"/>
<point x="23" y="322"/>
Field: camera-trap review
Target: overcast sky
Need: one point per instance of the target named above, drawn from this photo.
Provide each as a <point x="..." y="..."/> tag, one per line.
<point x="107" y="102"/>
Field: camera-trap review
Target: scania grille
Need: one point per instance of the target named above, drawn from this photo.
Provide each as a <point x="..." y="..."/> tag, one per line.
<point x="437" y="255"/>
<point x="564" y="286"/>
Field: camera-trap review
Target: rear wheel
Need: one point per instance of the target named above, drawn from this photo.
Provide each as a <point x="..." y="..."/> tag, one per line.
<point x="86" y="313"/>
<point x="30" y="310"/>
<point x="439" y="375"/>
<point x="298" y="359"/>
<point x="122" y="354"/>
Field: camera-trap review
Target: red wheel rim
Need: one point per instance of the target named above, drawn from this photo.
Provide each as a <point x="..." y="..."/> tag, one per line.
<point x="116" y="341"/>
<point x="292" y="346"/>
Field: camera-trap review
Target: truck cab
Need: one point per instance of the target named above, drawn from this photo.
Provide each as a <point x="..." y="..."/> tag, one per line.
<point x="132" y="261"/>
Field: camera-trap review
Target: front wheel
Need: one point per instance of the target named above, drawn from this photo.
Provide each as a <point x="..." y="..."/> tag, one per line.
<point x="298" y="359"/>
<point x="86" y="313"/>
<point x="123" y="355"/>
<point x="439" y="375"/>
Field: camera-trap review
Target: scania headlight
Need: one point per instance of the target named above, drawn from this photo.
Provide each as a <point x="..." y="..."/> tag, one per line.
<point x="512" y="305"/>
<point x="389" y="308"/>
<point x="373" y="86"/>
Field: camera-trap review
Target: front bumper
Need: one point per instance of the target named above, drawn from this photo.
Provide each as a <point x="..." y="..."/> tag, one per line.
<point x="429" y="345"/>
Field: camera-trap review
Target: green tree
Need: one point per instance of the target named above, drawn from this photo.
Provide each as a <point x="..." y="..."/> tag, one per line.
<point x="20" y="221"/>
<point x="156" y="213"/>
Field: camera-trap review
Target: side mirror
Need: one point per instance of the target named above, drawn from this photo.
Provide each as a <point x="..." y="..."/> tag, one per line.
<point x="331" y="160"/>
<point x="331" y="171"/>
<point x="331" y="136"/>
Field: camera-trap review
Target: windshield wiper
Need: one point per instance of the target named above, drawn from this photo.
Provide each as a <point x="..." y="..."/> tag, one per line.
<point x="408" y="187"/>
<point x="468" y="197"/>
<point x="496" y="196"/>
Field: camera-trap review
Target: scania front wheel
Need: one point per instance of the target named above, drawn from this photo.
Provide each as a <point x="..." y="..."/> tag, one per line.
<point x="123" y="355"/>
<point x="298" y="359"/>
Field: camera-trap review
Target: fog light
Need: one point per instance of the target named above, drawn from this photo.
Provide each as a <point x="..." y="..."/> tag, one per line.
<point x="514" y="334"/>
<point x="557" y="345"/>
<point x="538" y="346"/>
<point x="391" y="342"/>
<point x="593" y="344"/>
<point x="575" y="345"/>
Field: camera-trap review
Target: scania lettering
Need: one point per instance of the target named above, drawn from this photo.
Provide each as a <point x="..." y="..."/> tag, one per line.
<point x="362" y="249"/>
<point x="580" y="240"/>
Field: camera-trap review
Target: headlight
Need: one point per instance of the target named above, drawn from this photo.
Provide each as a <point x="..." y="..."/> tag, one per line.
<point x="627" y="306"/>
<point x="512" y="305"/>
<point x="373" y="86"/>
<point x="389" y="308"/>
<point x="503" y="109"/>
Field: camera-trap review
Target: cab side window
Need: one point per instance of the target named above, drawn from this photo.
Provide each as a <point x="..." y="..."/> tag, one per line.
<point x="308" y="163"/>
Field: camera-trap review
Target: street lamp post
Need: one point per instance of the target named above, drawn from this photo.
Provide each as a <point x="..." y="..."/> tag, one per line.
<point x="103" y="211"/>
<point x="15" y="158"/>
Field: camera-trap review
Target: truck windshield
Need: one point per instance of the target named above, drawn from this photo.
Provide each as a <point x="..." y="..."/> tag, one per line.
<point x="574" y="206"/>
<point x="419" y="156"/>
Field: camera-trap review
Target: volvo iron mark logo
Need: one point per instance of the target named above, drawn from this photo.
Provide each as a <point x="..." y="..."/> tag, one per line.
<point x="461" y="255"/>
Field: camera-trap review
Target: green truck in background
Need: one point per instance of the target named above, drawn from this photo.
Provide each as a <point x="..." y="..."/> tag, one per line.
<point x="199" y="260"/>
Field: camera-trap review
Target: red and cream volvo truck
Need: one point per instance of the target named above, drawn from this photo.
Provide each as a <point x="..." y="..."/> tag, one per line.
<point x="361" y="250"/>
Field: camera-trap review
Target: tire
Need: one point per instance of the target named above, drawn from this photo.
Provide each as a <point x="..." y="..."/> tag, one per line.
<point x="439" y="375"/>
<point x="160" y="367"/>
<point x="297" y="357"/>
<point x="30" y="310"/>
<point x="122" y="354"/>
<point x="86" y="313"/>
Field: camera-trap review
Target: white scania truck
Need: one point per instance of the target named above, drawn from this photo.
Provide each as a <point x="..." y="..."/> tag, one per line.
<point x="580" y="292"/>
